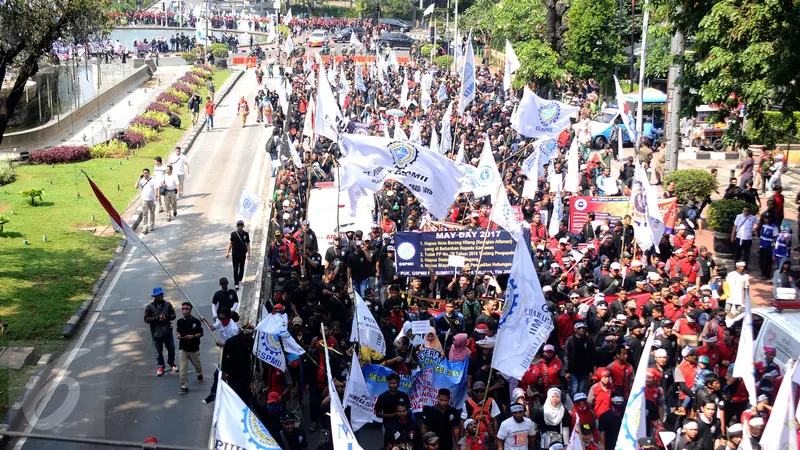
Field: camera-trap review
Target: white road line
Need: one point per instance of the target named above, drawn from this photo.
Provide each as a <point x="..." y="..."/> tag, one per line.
<point x="73" y="354"/>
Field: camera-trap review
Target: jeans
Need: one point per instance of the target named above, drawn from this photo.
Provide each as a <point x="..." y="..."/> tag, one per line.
<point x="209" y="121"/>
<point x="361" y="286"/>
<point x="238" y="268"/>
<point x="158" y="346"/>
<point x="577" y="383"/>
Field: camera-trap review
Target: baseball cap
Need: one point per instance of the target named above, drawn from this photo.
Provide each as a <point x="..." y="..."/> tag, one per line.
<point x="636" y="263"/>
<point x="548" y="348"/>
<point x="297" y="321"/>
<point x="468" y="422"/>
<point x="475" y="214"/>
<point x="223" y="280"/>
<point x="735" y="430"/>
<point x="547" y="289"/>
<point x="618" y="399"/>
<point x="704" y="359"/>
<point x="390" y="248"/>
<point x="579" y="324"/>
<point x="430" y="437"/>
<point x="563" y="240"/>
<point x="240" y="222"/>
<point x="305" y="222"/>
<point x="615" y="266"/>
<point x="286" y="418"/>
<point x="646" y="442"/>
<point x="586" y="429"/>
<point x="273" y="397"/>
<point x="479" y="386"/>
<point x="579" y="396"/>
<point x="157" y="291"/>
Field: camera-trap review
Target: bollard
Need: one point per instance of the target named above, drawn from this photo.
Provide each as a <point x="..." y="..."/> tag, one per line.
<point x="117" y="186"/>
<point x="92" y="217"/>
<point x="733" y="173"/>
<point x="79" y="195"/>
<point x="24" y="239"/>
<point x="44" y="238"/>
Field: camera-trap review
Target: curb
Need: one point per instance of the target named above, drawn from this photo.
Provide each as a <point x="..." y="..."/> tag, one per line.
<point x="715" y="156"/>
<point x="16" y="412"/>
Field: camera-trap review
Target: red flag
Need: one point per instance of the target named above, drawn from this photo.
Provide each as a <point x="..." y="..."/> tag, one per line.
<point x="116" y="219"/>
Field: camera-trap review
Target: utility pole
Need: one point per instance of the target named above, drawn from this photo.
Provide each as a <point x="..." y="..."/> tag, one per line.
<point x="633" y="39"/>
<point x="619" y="36"/>
<point x="674" y="102"/>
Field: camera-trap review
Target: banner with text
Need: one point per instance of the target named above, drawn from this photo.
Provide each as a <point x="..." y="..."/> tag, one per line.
<point x="419" y="253"/>
<point x="613" y="208"/>
<point x="423" y="387"/>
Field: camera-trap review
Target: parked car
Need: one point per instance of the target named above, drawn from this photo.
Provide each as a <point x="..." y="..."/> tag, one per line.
<point x="344" y="34"/>
<point x="396" y="40"/>
<point x="780" y="330"/>
<point x="603" y="122"/>
<point x="395" y="24"/>
<point x="318" y="38"/>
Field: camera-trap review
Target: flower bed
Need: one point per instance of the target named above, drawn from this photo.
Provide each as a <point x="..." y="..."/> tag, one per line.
<point x="160" y="117"/>
<point x="61" y="154"/>
<point x="146" y="122"/>
<point x="159" y="107"/>
<point x="111" y="149"/>
<point x="166" y="97"/>
<point x="133" y="139"/>
<point x="149" y="134"/>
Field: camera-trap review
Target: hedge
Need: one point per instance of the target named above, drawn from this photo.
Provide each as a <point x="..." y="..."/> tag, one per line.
<point x="692" y="183"/>
<point x="776" y="129"/>
<point x="61" y="154"/>
<point x="722" y="214"/>
<point x="443" y="61"/>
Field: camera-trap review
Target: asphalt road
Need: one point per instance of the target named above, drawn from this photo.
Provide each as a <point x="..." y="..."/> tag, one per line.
<point x="107" y="384"/>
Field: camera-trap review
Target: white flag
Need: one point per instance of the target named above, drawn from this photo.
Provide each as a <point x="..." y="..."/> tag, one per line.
<point x="532" y="166"/>
<point x="634" y="420"/>
<point x="248" y="204"/>
<point x="461" y="157"/>
<point x="327" y="115"/>
<point x="434" y="141"/>
<point x="357" y="397"/>
<point x="272" y="338"/>
<point x="308" y="122"/>
<point x="365" y="328"/>
<point x="429" y="9"/>
<point x="511" y="57"/>
<point x="393" y="63"/>
<point x="344" y="87"/>
<point x="404" y="91"/>
<point x="507" y="76"/>
<point x="288" y="46"/>
<point x="416" y="133"/>
<point x="342" y="433"/>
<point x="525" y="323"/>
<point x="487" y="180"/>
<point x="398" y="131"/>
<point x="575" y="439"/>
<point x="648" y="224"/>
<point x="354" y="40"/>
<point x="573" y="182"/>
<point x="271" y="36"/>
<point x="447" y="137"/>
<point x="624" y="112"/>
<point x="292" y="151"/>
<point x="360" y="80"/>
<point x="237" y="426"/>
<point x="558" y="214"/>
<point x="781" y="423"/>
<point x="433" y="178"/>
<point x="466" y="94"/>
<point x="425" y="99"/>
<point x="288" y="16"/>
<point x="540" y="118"/>
<point x="745" y="366"/>
<point x="503" y="214"/>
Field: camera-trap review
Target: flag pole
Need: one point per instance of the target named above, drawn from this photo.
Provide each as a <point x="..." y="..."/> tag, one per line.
<point x="640" y="106"/>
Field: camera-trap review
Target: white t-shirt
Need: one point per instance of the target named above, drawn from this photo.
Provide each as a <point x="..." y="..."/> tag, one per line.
<point x="171" y="181"/>
<point x="515" y="435"/>
<point x="744" y="226"/>
<point x="148" y="189"/>
<point x="178" y="164"/>
<point x="158" y="174"/>
<point x="228" y="332"/>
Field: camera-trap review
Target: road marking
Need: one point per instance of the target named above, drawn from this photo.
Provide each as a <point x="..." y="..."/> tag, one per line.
<point x="74" y="352"/>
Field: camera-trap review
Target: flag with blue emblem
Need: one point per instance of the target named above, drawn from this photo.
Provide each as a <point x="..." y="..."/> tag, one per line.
<point x="248" y="204"/>
<point x="446" y="143"/>
<point x="525" y="323"/>
<point x="558" y="214"/>
<point x="468" y="86"/>
<point x="540" y="118"/>
<point x="634" y="422"/>
<point x="237" y="425"/>
<point x="648" y="222"/>
<point x="624" y="111"/>
<point x="342" y="434"/>
<point x="441" y="95"/>
<point x="360" y="80"/>
<point x="273" y="339"/>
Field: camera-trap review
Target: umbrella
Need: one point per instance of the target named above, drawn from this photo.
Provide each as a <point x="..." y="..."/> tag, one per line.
<point x="395" y="112"/>
<point x="651" y="95"/>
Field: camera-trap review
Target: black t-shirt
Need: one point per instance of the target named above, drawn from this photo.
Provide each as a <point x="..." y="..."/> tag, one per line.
<point x="610" y="424"/>
<point x="320" y="269"/>
<point x="296" y="440"/>
<point x="387" y="402"/>
<point x="707" y="433"/>
<point x="406" y="436"/>
<point x="240" y="242"/>
<point x="442" y="423"/>
<point x="360" y="267"/>
<point x="186" y="327"/>
<point x="225" y="298"/>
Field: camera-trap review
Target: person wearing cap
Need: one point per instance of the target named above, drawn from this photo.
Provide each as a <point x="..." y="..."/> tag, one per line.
<point x="579" y="355"/>
<point x="239" y="245"/>
<point x="646" y="443"/>
<point x="611" y="282"/>
<point x="768" y="364"/>
<point x="305" y="236"/>
<point x="688" y="368"/>
<point x="442" y="420"/>
<point x="654" y="398"/>
<point x="516" y="432"/>
<point x="550" y="369"/>
<point x="224" y="298"/>
<point x="582" y="413"/>
<point x="159" y="315"/>
<point x="402" y="432"/>
<point x="291" y="437"/>
<point x="471" y="440"/>
<point x="735" y="435"/>
<point x="610" y="422"/>
<point x="482" y="409"/>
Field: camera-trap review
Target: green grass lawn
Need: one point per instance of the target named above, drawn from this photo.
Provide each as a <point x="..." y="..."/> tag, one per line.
<point x="44" y="282"/>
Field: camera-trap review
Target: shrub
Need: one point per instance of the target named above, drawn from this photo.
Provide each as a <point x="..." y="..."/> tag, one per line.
<point x="776" y="128"/>
<point x="133" y="139"/>
<point x="201" y="71"/>
<point x="220" y="53"/>
<point x="218" y="46"/>
<point x="191" y="79"/>
<point x="189" y="57"/>
<point x="172" y="107"/>
<point x="7" y="172"/>
<point x="282" y="30"/>
<point x="428" y="48"/>
<point x="61" y="154"/>
<point x="32" y="193"/>
<point x="695" y="183"/>
<point x="443" y="61"/>
<point x="111" y="149"/>
<point x="722" y="214"/>
<point x="168" y="97"/>
<point x="184" y="88"/>
<point x="183" y="97"/>
<point x="149" y="134"/>
<point x="146" y="122"/>
<point x="160" y="117"/>
<point x="160" y="107"/>
<point x="3" y="220"/>
<point x="207" y="68"/>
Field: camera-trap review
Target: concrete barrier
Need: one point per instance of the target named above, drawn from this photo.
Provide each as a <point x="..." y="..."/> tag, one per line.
<point x="52" y="130"/>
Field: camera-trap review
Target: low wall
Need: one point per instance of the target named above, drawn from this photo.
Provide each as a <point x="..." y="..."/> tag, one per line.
<point x="52" y="130"/>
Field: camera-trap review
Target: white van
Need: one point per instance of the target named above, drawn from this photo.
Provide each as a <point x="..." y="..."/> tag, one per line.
<point x="775" y="329"/>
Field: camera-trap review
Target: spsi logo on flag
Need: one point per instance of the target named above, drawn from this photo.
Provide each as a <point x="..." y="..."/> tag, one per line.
<point x="549" y="113"/>
<point x="485" y="176"/>
<point x="259" y="436"/>
<point x="403" y="154"/>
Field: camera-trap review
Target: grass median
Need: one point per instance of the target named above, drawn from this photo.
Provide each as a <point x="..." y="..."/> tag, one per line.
<point x="51" y="254"/>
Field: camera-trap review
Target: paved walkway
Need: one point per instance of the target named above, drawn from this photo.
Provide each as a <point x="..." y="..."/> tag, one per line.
<point x="107" y="387"/>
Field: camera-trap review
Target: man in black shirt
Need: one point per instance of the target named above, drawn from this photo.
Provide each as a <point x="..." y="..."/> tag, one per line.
<point x="291" y="437"/>
<point x="189" y="331"/>
<point x="224" y="297"/>
<point x="335" y="252"/>
<point x="444" y="420"/>
<point x="360" y="267"/>
<point x="313" y="264"/>
<point x="386" y="405"/>
<point x="299" y="296"/>
<point x="240" y="247"/>
<point x="236" y="362"/>
<point x="610" y="422"/>
<point x="709" y="428"/>
<point x="402" y="433"/>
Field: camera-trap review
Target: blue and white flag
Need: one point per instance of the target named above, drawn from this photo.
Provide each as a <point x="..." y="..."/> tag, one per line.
<point x="745" y="366"/>
<point x="466" y="94"/>
<point x="248" y="204"/>
<point x="487" y="179"/>
<point x="327" y="115"/>
<point x="237" y="426"/>
<point x="360" y="80"/>
<point x="634" y="422"/>
<point x="540" y="118"/>
<point x="272" y="339"/>
<point x="781" y="430"/>
<point x="357" y="397"/>
<point x="398" y="130"/>
<point x="342" y="434"/>
<point x="525" y="323"/>
<point x="648" y="223"/>
<point x="558" y="214"/>
<point x="425" y="100"/>
<point x="441" y="95"/>
<point x="416" y="133"/>
<point x="624" y="112"/>
<point x="365" y="328"/>
<point x="446" y="143"/>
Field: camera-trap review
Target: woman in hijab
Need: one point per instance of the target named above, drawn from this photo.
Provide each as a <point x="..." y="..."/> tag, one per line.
<point x="783" y="278"/>
<point x="266" y="106"/>
<point x="553" y="420"/>
<point x="432" y="342"/>
<point x="459" y="351"/>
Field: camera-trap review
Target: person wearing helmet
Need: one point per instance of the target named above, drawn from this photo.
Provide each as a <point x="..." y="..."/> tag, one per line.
<point x="600" y="394"/>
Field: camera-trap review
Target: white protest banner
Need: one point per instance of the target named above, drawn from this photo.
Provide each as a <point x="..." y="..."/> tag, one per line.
<point x="248" y="204"/>
<point x="237" y="426"/>
<point x="357" y="397"/>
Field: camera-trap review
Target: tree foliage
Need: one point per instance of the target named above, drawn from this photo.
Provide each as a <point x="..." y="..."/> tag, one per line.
<point x="28" y="29"/>
<point x="591" y="45"/>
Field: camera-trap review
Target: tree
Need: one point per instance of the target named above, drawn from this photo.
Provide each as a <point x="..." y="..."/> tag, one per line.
<point x="591" y="46"/>
<point x="28" y="29"/>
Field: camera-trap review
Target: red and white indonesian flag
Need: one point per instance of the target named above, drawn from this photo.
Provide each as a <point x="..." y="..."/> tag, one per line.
<point x="116" y="220"/>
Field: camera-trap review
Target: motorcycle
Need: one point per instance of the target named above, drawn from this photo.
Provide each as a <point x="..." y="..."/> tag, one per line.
<point x="325" y="50"/>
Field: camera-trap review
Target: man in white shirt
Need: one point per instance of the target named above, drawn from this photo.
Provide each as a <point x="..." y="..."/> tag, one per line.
<point x="607" y="183"/>
<point x="515" y="432"/>
<point x="159" y="170"/>
<point x="742" y="235"/>
<point x="181" y="167"/>
<point x="148" y="199"/>
<point x="171" y="183"/>
<point x="738" y="282"/>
